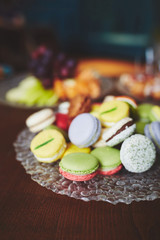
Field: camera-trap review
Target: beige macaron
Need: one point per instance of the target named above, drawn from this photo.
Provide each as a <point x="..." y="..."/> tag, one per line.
<point x="40" y="120"/>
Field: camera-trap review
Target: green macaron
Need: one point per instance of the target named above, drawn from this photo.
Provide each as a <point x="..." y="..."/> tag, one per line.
<point x="143" y="112"/>
<point x="155" y="113"/>
<point x="109" y="160"/>
<point x="140" y="127"/>
<point x="79" y="166"/>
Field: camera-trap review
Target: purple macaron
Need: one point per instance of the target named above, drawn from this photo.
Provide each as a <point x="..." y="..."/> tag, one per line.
<point x="84" y="130"/>
<point x="152" y="131"/>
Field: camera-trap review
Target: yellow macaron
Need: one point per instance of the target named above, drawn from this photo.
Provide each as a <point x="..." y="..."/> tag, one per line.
<point x="71" y="148"/>
<point x="112" y="111"/>
<point x="48" y="145"/>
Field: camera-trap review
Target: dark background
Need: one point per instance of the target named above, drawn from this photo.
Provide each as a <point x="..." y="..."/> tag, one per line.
<point x="104" y="28"/>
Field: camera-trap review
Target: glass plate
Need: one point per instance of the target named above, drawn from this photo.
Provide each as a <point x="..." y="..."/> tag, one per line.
<point x="7" y="84"/>
<point x="122" y="187"/>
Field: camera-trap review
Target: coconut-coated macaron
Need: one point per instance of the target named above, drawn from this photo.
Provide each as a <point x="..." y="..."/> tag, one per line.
<point x="152" y="131"/>
<point x="40" y="120"/>
<point x="109" y="160"/>
<point x="84" y="130"/>
<point x="112" y="111"/>
<point x="119" y="132"/>
<point x="79" y="166"/>
<point x="48" y="145"/>
<point x="137" y="153"/>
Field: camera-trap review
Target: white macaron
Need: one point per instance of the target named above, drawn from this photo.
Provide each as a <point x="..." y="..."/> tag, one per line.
<point x="40" y="120"/>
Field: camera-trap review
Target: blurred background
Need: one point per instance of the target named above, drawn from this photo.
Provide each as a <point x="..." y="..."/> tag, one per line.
<point x="83" y="28"/>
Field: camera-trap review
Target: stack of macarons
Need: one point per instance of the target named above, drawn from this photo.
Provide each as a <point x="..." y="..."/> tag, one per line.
<point x="100" y="142"/>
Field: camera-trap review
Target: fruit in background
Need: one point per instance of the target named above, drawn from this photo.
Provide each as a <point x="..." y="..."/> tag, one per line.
<point x="31" y="92"/>
<point x="41" y="65"/>
<point x="64" y="67"/>
<point x="47" y="66"/>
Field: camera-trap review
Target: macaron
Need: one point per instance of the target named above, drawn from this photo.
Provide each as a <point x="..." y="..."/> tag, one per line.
<point x="84" y="130"/>
<point x="63" y="107"/>
<point x="40" y="120"/>
<point x="79" y="166"/>
<point x="140" y="125"/>
<point x="130" y="101"/>
<point x="143" y="112"/>
<point x="123" y="98"/>
<point x="100" y="142"/>
<point x="112" y="111"/>
<point x="64" y="133"/>
<point x="48" y="145"/>
<point x="109" y="160"/>
<point x="71" y="148"/>
<point x="137" y="153"/>
<point x="119" y="132"/>
<point x="155" y="113"/>
<point x="152" y="131"/>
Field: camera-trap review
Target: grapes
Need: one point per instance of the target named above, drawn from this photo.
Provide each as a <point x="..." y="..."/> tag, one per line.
<point x="47" y="66"/>
<point x="64" y="67"/>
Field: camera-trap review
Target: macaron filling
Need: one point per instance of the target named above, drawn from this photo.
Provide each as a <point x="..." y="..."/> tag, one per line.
<point x="120" y="131"/>
<point x="50" y="118"/>
<point x="55" y="157"/>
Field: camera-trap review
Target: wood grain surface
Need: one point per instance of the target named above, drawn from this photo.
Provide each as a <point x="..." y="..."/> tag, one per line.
<point x="29" y="211"/>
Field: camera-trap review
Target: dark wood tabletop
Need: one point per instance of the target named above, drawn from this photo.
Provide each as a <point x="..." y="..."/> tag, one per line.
<point x="30" y="211"/>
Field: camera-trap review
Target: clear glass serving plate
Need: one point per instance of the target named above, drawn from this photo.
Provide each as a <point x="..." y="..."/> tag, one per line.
<point x="122" y="187"/>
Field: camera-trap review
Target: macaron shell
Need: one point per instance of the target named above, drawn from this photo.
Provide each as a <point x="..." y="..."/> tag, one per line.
<point x="39" y="120"/>
<point x="156" y="130"/>
<point x="155" y="113"/>
<point x="152" y="131"/>
<point x="127" y="99"/>
<point x="42" y="125"/>
<point x="108" y="157"/>
<point x="71" y="148"/>
<point x="110" y="172"/>
<point x="121" y="136"/>
<point x="116" y="111"/>
<point x="119" y="132"/>
<point x="49" y="149"/>
<point x="84" y="130"/>
<point x="78" y="177"/>
<point x="143" y="112"/>
<point x="137" y="153"/>
<point x="140" y="127"/>
<point x="79" y="163"/>
<point x="97" y="134"/>
<point x="64" y="133"/>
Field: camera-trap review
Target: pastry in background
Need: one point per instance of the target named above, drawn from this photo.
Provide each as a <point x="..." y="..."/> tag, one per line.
<point x="84" y="83"/>
<point x="141" y="85"/>
<point x="79" y="104"/>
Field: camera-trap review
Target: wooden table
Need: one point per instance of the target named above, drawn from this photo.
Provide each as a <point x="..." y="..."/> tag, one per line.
<point x="29" y="211"/>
